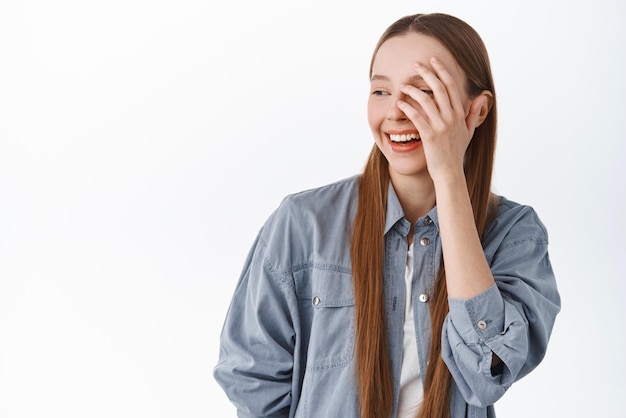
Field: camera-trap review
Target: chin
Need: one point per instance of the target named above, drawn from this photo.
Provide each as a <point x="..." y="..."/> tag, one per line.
<point x="409" y="170"/>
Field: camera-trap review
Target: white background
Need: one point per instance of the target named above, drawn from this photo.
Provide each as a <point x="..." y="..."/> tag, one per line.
<point x="144" y="143"/>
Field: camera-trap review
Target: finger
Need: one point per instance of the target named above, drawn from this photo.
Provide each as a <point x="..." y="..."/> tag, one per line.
<point x="440" y="92"/>
<point x="417" y="117"/>
<point x="424" y="100"/>
<point x="454" y="95"/>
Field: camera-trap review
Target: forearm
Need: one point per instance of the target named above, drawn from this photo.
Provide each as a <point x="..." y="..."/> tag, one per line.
<point x="467" y="271"/>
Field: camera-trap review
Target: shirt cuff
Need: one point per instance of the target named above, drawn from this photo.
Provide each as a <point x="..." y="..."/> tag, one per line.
<point x="482" y="315"/>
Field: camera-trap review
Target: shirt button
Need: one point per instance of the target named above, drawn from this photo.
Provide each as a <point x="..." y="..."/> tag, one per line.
<point x="316" y="301"/>
<point x="428" y="221"/>
<point x="424" y="241"/>
<point x="481" y="324"/>
<point x="423" y="298"/>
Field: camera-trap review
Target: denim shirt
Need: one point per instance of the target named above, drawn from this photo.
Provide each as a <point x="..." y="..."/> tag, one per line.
<point x="288" y="342"/>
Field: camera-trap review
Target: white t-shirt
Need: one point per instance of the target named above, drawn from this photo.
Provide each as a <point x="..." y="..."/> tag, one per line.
<point x="411" y="388"/>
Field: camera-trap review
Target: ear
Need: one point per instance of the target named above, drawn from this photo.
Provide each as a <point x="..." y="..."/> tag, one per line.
<point x="479" y="109"/>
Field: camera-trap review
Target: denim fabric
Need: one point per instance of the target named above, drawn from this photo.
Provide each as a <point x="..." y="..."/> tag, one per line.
<point x="287" y="346"/>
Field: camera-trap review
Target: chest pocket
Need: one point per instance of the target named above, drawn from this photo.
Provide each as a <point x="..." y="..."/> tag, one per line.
<point x="326" y="300"/>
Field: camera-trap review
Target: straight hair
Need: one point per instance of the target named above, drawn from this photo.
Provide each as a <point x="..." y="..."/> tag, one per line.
<point x="375" y="384"/>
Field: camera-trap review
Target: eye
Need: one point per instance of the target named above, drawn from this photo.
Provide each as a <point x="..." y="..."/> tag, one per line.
<point x="429" y="92"/>
<point x="379" y="93"/>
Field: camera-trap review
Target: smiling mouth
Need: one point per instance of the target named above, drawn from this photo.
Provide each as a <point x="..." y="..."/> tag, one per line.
<point x="404" y="138"/>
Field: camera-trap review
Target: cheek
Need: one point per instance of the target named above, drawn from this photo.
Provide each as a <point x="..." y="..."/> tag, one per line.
<point x="371" y="118"/>
<point x="375" y="115"/>
<point x="466" y="107"/>
<point x="467" y="103"/>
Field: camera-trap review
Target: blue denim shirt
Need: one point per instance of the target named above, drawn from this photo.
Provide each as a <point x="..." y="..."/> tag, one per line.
<point x="287" y="346"/>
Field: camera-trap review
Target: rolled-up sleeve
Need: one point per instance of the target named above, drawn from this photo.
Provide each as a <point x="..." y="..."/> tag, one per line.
<point x="513" y="319"/>
<point x="258" y="340"/>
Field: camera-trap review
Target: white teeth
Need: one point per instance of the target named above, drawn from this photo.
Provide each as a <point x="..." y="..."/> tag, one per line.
<point x="403" y="138"/>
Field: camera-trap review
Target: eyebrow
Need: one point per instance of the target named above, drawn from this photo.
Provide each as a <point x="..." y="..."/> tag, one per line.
<point x="411" y="79"/>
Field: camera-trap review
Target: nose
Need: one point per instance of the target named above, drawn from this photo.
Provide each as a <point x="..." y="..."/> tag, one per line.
<point x="394" y="113"/>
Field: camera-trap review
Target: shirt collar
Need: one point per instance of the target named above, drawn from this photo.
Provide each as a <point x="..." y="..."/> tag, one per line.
<point x="396" y="214"/>
<point x="394" y="209"/>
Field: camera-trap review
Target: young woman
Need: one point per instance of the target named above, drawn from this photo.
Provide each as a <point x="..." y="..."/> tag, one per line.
<point x="344" y="308"/>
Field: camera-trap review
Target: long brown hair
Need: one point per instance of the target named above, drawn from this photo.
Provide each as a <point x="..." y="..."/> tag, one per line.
<point x="375" y="385"/>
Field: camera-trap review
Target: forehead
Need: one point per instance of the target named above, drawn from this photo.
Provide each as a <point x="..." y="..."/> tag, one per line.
<point x="397" y="56"/>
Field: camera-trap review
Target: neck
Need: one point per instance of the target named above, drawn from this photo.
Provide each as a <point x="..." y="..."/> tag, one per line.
<point x="416" y="194"/>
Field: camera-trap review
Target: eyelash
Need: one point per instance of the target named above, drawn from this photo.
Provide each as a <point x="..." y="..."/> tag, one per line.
<point x="381" y="93"/>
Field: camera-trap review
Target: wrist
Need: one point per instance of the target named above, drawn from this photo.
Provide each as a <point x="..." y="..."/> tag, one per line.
<point x="445" y="179"/>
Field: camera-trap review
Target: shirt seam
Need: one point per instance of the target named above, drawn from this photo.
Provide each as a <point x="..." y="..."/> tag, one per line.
<point x="515" y="243"/>
<point x="281" y="279"/>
